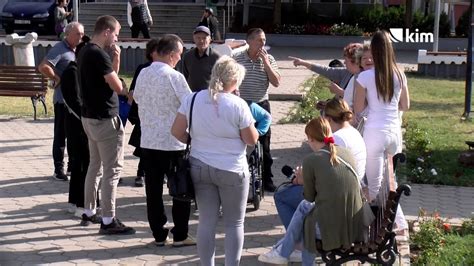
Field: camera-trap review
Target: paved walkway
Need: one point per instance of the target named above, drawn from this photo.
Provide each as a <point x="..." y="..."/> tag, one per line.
<point x="35" y="227"/>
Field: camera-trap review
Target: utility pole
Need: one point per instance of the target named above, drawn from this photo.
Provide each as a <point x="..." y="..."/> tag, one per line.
<point x="469" y="70"/>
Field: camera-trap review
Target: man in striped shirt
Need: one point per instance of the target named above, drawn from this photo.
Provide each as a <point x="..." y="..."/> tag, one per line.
<point x="262" y="70"/>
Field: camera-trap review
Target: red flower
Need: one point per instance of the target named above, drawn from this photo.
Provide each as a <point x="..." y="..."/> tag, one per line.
<point x="446" y="227"/>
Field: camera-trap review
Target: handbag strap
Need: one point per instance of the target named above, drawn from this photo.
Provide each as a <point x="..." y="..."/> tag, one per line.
<point x="352" y="170"/>
<point x="188" y="142"/>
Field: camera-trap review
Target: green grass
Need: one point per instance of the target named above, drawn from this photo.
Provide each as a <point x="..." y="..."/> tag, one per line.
<point x="16" y="107"/>
<point x="436" y="108"/>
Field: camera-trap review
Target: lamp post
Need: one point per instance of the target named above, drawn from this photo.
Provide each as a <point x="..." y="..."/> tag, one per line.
<point x="469" y="70"/>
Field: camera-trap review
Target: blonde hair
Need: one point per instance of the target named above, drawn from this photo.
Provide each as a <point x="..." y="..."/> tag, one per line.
<point x="338" y="110"/>
<point x="225" y="73"/>
<point x="319" y="129"/>
<point x="360" y="53"/>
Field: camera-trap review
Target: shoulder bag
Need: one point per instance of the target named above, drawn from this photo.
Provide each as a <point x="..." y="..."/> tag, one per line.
<point x="180" y="184"/>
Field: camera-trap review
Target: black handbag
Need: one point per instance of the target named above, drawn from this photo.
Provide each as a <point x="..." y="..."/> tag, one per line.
<point x="180" y="184"/>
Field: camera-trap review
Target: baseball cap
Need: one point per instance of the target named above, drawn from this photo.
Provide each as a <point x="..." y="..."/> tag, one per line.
<point x="202" y="29"/>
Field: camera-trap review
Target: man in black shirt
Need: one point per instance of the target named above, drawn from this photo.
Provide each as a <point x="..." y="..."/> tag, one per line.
<point x="210" y="21"/>
<point x="99" y="86"/>
<point x="196" y="65"/>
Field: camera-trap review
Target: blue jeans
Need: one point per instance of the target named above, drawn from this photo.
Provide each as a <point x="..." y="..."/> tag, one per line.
<point x="287" y="199"/>
<point x="294" y="234"/>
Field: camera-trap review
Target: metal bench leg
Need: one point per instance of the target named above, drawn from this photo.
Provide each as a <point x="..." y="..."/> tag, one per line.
<point x="33" y="101"/>
<point x="43" y="101"/>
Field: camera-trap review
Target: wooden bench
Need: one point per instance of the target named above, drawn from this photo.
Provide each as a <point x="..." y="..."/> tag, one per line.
<point x="381" y="247"/>
<point x="24" y="81"/>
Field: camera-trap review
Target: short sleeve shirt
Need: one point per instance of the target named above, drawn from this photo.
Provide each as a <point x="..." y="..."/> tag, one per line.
<point x="159" y="92"/>
<point x="254" y="87"/>
<point x="381" y="114"/>
<point x="59" y="56"/>
<point x="215" y="130"/>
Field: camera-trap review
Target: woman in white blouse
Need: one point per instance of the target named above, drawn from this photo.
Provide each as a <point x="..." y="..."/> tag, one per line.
<point x="221" y="127"/>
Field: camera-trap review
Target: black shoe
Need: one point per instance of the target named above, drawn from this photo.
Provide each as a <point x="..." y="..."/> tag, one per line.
<point x="94" y="219"/>
<point x="68" y="171"/>
<point x="270" y="187"/>
<point x="60" y="176"/>
<point x="120" y="181"/>
<point x="139" y="182"/>
<point x="115" y="228"/>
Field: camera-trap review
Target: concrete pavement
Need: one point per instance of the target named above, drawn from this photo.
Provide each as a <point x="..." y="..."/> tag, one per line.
<point x="35" y="227"/>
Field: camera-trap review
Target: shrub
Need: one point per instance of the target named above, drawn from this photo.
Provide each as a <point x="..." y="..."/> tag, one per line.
<point x="462" y="29"/>
<point x="430" y="237"/>
<point x="289" y="29"/>
<point x="346" y="30"/>
<point x="319" y="29"/>
<point x="417" y="142"/>
<point x="316" y="89"/>
<point x="426" y="23"/>
<point x="379" y="18"/>
<point x="437" y="243"/>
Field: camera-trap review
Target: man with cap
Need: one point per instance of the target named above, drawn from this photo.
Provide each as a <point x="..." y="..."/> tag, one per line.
<point x="196" y="65"/>
<point x="210" y="21"/>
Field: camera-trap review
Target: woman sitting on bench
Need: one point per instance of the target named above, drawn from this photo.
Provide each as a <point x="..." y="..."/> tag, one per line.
<point x="332" y="209"/>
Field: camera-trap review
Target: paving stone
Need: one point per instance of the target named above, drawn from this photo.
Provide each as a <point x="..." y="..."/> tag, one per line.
<point x="35" y="226"/>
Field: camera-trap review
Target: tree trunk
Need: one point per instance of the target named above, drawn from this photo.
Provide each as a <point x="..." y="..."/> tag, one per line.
<point x="277" y="12"/>
<point x="408" y="13"/>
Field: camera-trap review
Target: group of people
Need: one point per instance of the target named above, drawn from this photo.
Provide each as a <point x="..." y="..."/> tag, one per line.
<point x="325" y="198"/>
<point x="231" y="94"/>
<point x="214" y="95"/>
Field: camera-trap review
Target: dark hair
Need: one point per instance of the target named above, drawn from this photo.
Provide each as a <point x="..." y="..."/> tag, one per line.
<point x="253" y="31"/>
<point x="168" y="44"/>
<point x="336" y="63"/>
<point x="85" y="40"/>
<point x="103" y="23"/>
<point x="151" y="46"/>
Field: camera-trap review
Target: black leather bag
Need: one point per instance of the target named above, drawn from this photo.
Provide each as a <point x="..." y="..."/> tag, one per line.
<point x="180" y="184"/>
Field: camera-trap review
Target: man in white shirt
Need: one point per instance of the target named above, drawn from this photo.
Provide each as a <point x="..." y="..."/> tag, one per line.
<point x="159" y="92"/>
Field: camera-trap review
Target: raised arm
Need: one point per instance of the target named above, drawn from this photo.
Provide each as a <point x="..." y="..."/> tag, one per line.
<point x="335" y="74"/>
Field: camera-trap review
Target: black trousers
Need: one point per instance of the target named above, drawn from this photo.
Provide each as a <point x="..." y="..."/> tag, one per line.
<point x="265" y="141"/>
<point x="143" y="27"/>
<point x="157" y="163"/>
<point x="78" y="151"/>
<point x="59" y="139"/>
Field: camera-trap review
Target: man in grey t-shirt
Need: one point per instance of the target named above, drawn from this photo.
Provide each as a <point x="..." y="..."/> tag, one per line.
<point x="52" y="66"/>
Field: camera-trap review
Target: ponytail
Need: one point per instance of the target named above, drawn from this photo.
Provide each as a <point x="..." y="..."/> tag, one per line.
<point x="320" y="130"/>
<point x="215" y="86"/>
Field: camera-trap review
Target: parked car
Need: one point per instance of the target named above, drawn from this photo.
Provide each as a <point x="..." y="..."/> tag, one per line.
<point x="28" y="15"/>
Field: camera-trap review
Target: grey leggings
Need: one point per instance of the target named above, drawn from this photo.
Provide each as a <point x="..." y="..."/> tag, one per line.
<point x="215" y="187"/>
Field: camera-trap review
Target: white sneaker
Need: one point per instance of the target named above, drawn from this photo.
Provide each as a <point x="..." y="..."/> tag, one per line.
<point x="296" y="256"/>
<point x="272" y="257"/>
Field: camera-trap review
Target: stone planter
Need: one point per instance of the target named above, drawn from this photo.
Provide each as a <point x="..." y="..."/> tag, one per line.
<point x="329" y="41"/>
